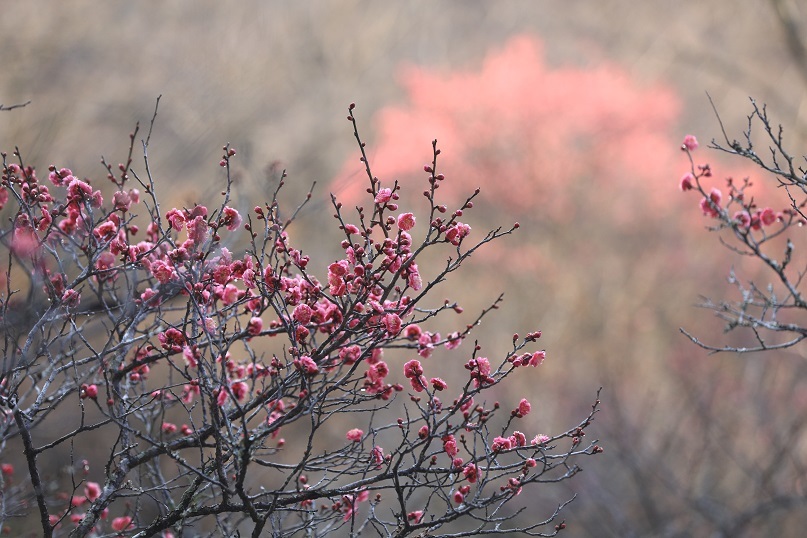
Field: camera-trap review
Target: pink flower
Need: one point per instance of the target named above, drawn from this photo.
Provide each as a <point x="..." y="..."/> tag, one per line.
<point x="514" y="485"/>
<point x="768" y="216"/>
<point x="392" y="322"/>
<point x="412" y="332"/>
<point x="221" y="274"/>
<point x="191" y="355"/>
<point x="423" y="432"/>
<point x="377" y="371"/>
<point x="61" y="177"/>
<point x="414" y="372"/>
<point x="480" y="371"/>
<point x="453" y="340"/>
<point x="450" y="445"/>
<point x="690" y="143"/>
<point x="90" y="391"/>
<point x="418" y="383"/>
<point x="104" y="265"/>
<point x="79" y="190"/>
<point x="415" y="516"/>
<point x="306" y="365"/>
<point x="106" y="230"/>
<point x="537" y="358"/>
<point x="539" y="439"/>
<point x="426" y="344"/>
<point x="71" y="298"/>
<point x="501" y="443"/>
<point x="456" y="233"/>
<point x="413" y="279"/>
<point x="44" y="222"/>
<point x="354" y="435"/>
<point x="438" y="383"/>
<point x="471" y="472"/>
<point x="231" y="218"/>
<point x="413" y="368"/>
<point x="121" y="523"/>
<point x="303" y="313"/>
<point x="743" y="218"/>
<point x="523" y="408"/>
<point x="168" y="428"/>
<point x="7" y="469"/>
<point x="240" y="390"/>
<point x="176" y="218"/>
<point x="711" y="205"/>
<point x="210" y="325"/>
<point x="229" y="294"/>
<point x="122" y="200"/>
<point x="336" y="281"/>
<point x="255" y="326"/>
<point x="92" y="490"/>
<point x="172" y="340"/>
<point x="162" y="271"/>
<point x="25" y="240"/>
<point x="378" y="455"/>
<point x="687" y="182"/>
<point x="383" y="196"/>
<point x="147" y="295"/>
<point x="458" y="497"/>
<point x="406" y="221"/>
<point x="197" y="230"/>
<point x="350" y="502"/>
<point x="350" y="354"/>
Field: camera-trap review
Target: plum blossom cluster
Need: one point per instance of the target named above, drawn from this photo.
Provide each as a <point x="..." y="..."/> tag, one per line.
<point x="738" y="210"/>
<point x="759" y="233"/>
<point x="210" y="380"/>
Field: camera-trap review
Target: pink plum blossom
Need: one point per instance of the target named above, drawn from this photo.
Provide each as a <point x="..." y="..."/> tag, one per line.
<point x="383" y="196"/>
<point x="537" y="358"/>
<point x="406" y="221"/>
<point x="523" y="408"/>
<point x="711" y="205"/>
<point x="306" y="365"/>
<point x="501" y="444"/>
<point x="121" y="523"/>
<point x="230" y="218"/>
<point x="255" y="326"/>
<point x="92" y="490"/>
<point x="471" y="472"/>
<point x="302" y="313"/>
<point x="687" y="182"/>
<point x="540" y="439"/>
<point x="690" y="143"/>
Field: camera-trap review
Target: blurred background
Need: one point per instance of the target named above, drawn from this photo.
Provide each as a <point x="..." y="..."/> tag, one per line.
<point x="568" y="118"/>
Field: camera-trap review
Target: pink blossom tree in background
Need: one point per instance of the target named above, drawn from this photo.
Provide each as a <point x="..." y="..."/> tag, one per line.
<point x="159" y="380"/>
<point x="530" y="132"/>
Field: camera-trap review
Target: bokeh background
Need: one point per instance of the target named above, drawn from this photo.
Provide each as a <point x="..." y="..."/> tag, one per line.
<point x="567" y="115"/>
